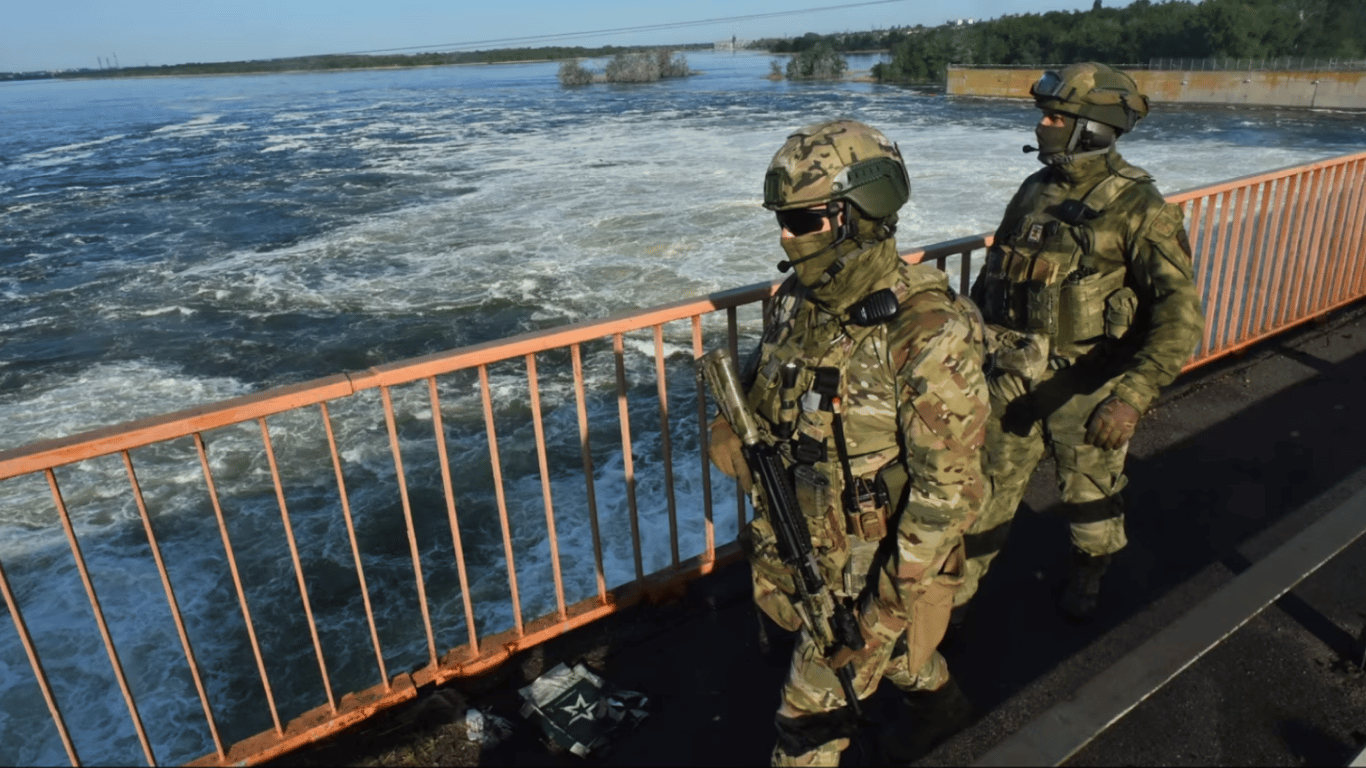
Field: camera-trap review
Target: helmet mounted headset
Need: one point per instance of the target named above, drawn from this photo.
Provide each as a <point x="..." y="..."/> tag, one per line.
<point x="1099" y="104"/>
<point x="851" y="169"/>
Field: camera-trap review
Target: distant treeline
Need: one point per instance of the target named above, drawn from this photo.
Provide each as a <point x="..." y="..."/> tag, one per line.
<point x="1132" y="35"/>
<point x="1128" y="36"/>
<point x="352" y="61"/>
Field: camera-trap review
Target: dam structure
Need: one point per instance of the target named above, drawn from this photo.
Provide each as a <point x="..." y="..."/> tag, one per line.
<point x="1335" y="86"/>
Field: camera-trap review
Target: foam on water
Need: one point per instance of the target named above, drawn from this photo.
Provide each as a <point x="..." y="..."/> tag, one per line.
<point x="52" y="405"/>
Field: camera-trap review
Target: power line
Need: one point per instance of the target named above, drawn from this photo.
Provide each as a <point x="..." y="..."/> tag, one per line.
<point x="618" y="30"/>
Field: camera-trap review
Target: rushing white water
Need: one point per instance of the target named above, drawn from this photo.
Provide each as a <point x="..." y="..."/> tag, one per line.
<point x="172" y="242"/>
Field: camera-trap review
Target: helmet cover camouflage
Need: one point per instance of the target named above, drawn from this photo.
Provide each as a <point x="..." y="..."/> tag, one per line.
<point x="838" y="160"/>
<point x="1093" y="91"/>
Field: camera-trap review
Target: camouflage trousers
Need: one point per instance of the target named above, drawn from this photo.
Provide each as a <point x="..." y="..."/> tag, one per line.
<point x="1027" y="422"/>
<point x="812" y="719"/>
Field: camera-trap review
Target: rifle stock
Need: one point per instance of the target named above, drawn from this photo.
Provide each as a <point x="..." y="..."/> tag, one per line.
<point x="829" y="619"/>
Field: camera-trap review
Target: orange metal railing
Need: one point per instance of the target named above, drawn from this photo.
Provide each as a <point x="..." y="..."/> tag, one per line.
<point x="1271" y="251"/>
<point x="1275" y="249"/>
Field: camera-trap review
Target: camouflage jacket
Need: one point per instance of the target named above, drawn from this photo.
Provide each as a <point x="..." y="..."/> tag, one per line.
<point x="1090" y="256"/>
<point x="912" y="402"/>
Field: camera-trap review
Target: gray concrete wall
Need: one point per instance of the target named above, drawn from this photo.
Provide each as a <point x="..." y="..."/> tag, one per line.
<point x="1324" y="90"/>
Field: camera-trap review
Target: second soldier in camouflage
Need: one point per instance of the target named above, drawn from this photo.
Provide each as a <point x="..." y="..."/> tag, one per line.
<point x="1089" y="295"/>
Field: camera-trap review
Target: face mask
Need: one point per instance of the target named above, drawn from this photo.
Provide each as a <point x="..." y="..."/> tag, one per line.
<point x="817" y="244"/>
<point x="1053" y="139"/>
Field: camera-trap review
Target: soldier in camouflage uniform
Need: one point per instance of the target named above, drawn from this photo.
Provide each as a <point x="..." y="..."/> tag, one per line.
<point x="869" y="379"/>
<point x="1089" y="293"/>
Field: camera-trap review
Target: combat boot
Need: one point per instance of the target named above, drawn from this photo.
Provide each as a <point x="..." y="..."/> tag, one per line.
<point x="927" y="719"/>
<point x="810" y="740"/>
<point x="1081" y="596"/>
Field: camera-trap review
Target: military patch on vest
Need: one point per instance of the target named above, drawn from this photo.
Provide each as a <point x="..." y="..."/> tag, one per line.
<point x="935" y="413"/>
<point x="1035" y="235"/>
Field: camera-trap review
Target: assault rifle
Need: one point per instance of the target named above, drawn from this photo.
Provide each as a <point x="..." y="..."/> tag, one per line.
<point x="828" y="618"/>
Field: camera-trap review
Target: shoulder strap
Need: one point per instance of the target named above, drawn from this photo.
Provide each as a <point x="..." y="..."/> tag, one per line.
<point x="918" y="278"/>
<point x="1122" y="177"/>
<point x="782" y="309"/>
<point x="1107" y="191"/>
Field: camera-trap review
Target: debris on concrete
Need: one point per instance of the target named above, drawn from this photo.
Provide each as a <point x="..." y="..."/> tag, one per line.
<point x="486" y="729"/>
<point x="578" y="710"/>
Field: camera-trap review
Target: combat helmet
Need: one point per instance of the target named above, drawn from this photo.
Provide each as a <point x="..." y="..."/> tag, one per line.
<point x="838" y="160"/>
<point x="1103" y="103"/>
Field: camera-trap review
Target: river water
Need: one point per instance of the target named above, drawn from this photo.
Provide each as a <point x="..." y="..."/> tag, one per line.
<point x="175" y="241"/>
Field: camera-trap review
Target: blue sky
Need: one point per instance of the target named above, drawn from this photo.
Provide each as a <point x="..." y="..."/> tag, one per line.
<point x="69" y="34"/>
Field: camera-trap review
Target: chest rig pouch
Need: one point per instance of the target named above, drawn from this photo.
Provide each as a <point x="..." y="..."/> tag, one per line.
<point x="1045" y="278"/>
<point x="799" y="420"/>
<point x="797" y="392"/>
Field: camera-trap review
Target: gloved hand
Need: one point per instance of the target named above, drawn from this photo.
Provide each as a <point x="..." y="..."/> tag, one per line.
<point x="1112" y="424"/>
<point x="846" y="655"/>
<point x="877" y="629"/>
<point x="724" y="450"/>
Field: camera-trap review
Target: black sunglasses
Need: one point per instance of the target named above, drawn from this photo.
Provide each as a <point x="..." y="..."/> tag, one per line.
<point x="803" y="221"/>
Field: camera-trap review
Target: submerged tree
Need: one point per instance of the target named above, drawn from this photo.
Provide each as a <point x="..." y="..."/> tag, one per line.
<point x="632" y="68"/>
<point x="671" y="65"/>
<point x="646" y="67"/>
<point x="574" y="73"/>
<point x="628" y="67"/>
<point x="818" y="63"/>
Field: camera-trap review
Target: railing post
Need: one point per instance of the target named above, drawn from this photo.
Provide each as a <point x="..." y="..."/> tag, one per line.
<point x="38" y="672"/>
<point x="586" y="455"/>
<point x="174" y="605"/>
<point x="543" y="463"/>
<point x="628" y="460"/>
<point x="501" y="497"/>
<point x="391" y="423"/>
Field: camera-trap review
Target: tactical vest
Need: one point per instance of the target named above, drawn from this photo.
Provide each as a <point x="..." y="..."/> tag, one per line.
<point x="827" y="396"/>
<point x="1060" y="273"/>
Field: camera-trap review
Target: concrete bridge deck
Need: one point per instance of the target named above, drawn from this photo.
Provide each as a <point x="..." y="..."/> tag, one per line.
<point x="1236" y="460"/>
